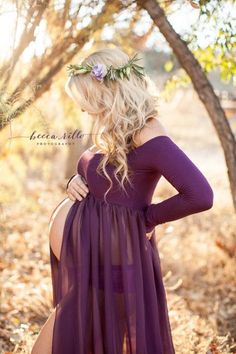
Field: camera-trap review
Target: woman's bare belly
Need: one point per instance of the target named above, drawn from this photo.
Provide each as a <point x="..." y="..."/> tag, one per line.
<point x="56" y="225"/>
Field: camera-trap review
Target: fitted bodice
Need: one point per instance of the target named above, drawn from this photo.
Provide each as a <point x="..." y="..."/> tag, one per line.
<point x="143" y="179"/>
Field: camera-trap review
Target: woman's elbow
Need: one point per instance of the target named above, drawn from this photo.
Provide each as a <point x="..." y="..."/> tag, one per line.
<point x="205" y="199"/>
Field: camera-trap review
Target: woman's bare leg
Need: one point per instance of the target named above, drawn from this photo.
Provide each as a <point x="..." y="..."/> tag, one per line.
<point x="43" y="343"/>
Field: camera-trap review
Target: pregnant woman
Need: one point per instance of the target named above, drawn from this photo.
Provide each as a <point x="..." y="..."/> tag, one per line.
<point x="108" y="291"/>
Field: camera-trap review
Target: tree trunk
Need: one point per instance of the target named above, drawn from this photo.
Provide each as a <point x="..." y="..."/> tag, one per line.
<point x="202" y="86"/>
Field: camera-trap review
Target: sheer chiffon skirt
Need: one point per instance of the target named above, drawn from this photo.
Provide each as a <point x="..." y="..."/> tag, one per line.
<point x="107" y="287"/>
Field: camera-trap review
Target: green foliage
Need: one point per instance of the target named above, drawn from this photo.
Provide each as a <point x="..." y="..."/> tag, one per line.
<point x="212" y="58"/>
<point x="218" y="50"/>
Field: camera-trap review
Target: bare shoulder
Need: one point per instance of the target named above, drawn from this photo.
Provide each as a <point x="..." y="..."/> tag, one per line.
<point x="152" y="129"/>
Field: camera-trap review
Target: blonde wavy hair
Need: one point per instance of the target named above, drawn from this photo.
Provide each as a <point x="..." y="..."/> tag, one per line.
<point x="119" y="108"/>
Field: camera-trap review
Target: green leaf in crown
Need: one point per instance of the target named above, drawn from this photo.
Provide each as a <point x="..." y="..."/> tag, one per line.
<point x="101" y="72"/>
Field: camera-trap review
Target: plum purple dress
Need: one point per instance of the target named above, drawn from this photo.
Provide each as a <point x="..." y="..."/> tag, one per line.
<point x="107" y="287"/>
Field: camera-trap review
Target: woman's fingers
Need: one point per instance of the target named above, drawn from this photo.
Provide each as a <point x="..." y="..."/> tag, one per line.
<point x="71" y="197"/>
<point x="77" y="188"/>
<point x="77" y="194"/>
<point x="80" y="187"/>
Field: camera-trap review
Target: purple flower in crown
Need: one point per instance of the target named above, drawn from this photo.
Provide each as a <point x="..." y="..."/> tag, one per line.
<point x="99" y="71"/>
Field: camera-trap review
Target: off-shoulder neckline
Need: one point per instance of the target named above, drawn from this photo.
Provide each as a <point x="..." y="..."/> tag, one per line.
<point x="138" y="147"/>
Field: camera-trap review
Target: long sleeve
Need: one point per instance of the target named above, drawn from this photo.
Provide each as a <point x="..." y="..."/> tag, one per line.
<point x="195" y="194"/>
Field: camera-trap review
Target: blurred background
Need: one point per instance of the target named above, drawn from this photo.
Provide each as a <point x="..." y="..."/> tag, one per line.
<point x="188" y="49"/>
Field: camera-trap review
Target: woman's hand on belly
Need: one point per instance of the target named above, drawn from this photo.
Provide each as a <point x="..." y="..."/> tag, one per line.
<point x="77" y="188"/>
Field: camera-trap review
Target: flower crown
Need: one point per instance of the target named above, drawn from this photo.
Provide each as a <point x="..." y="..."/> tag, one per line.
<point x="101" y="71"/>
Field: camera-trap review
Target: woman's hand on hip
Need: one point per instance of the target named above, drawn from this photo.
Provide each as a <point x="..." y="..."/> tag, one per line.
<point x="77" y="188"/>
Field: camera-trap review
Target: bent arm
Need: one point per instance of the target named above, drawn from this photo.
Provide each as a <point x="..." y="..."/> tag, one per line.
<point x="195" y="193"/>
